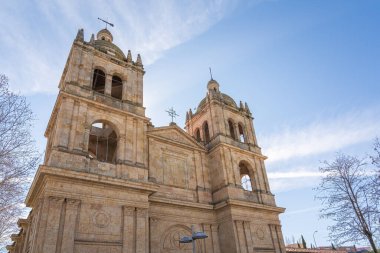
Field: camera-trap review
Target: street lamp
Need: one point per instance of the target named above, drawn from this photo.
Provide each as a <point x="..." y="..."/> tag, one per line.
<point x="314" y="238"/>
<point x="194" y="236"/>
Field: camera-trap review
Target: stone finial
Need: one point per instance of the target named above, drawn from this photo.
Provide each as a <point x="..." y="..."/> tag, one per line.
<point x="247" y="108"/>
<point x="190" y="113"/>
<point x="80" y="35"/>
<point x="241" y="105"/>
<point x="187" y="116"/>
<point x="138" y="60"/>
<point x="129" y="56"/>
<point x="92" y="40"/>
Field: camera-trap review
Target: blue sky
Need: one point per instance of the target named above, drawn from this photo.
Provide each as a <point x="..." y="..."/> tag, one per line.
<point x="308" y="69"/>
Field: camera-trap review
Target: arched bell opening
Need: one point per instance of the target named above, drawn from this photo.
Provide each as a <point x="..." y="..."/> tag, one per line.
<point x="102" y="142"/>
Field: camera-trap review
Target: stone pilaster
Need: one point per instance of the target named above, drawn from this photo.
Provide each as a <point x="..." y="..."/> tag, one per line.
<point x="275" y="241"/>
<point x="248" y="236"/>
<point x="241" y="236"/>
<point x="141" y="230"/>
<point x="208" y="241"/>
<point x="129" y="230"/>
<point x="215" y="238"/>
<point x="52" y="226"/>
<point x="71" y="215"/>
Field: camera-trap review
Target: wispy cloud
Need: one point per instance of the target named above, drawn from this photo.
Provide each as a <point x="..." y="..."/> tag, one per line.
<point x="293" y="174"/>
<point x="34" y="48"/>
<point x="294" y="178"/>
<point x="304" y="210"/>
<point x="321" y="136"/>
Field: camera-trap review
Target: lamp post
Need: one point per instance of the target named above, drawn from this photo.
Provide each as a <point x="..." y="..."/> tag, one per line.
<point x="194" y="236"/>
<point x="314" y="238"/>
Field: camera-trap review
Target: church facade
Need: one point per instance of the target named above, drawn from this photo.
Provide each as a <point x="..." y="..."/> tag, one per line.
<point x="112" y="182"/>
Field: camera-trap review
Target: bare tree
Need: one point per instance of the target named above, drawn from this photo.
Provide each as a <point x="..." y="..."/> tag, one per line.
<point x="18" y="156"/>
<point x="346" y="192"/>
<point x="376" y="161"/>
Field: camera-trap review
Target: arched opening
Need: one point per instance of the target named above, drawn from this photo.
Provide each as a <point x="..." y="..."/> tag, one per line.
<point x="232" y="129"/>
<point x="241" y="133"/>
<point x="102" y="142"/>
<point x="206" y="132"/>
<point x="99" y="81"/>
<point x="117" y="87"/>
<point x="245" y="179"/>
<point x="198" y="134"/>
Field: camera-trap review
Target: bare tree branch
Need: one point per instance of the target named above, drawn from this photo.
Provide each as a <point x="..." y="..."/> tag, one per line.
<point x="348" y="199"/>
<point x="18" y="157"/>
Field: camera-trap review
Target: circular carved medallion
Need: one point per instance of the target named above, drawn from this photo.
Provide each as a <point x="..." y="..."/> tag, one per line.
<point x="260" y="233"/>
<point x="101" y="219"/>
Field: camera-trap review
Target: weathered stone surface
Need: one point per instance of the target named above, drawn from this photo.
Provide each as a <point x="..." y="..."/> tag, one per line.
<point x="145" y="190"/>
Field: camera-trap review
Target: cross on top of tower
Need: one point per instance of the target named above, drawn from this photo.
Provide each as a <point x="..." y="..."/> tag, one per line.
<point x="107" y="23"/>
<point x="172" y="114"/>
<point x="211" y="73"/>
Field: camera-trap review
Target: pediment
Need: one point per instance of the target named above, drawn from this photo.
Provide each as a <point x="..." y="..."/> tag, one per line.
<point x="174" y="134"/>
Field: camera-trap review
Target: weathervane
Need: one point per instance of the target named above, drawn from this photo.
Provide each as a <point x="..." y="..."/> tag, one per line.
<point x="210" y="73"/>
<point x="172" y="114"/>
<point x="105" y="21"/>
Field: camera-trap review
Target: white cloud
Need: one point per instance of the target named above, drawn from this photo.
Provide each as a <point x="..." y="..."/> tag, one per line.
<point x="323" y="136"/>
<point x="304" y="210"/>
<point x="35" y="37"/>
<point x="294" y="178"/>
<point x="293" y="174"/>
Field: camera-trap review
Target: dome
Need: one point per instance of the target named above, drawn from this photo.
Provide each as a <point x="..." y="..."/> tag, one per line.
<point x="104" y="44"/>
<point x="227" y="100"/>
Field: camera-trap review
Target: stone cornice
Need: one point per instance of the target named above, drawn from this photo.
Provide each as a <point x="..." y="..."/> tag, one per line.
<point x="45" y="172"/>
<point x="180" y="203"/>
<point x="237" y="149"/>
<point x="240" y="203"/>
<point x="63" y="94"/>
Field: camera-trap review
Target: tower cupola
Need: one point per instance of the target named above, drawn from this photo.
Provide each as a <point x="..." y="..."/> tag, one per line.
<point x="104" y="34"/>
<point x="213" y="85"/>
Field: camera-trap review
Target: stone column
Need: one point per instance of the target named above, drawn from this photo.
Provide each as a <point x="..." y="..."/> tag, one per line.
<point x="236" y="130"/>
<point x="121" y="149"/>
<point x="129" y="230"/>
<point x="86" y="139"/>
<point x="52" y="226"/>
<point x="125" y="91"/>
<point x="108" y="87"/>
<point x="141" y="230"/>
<point x="71" y="215"/>
<point x="215" y="238"/>
<point x="63" y="122"/>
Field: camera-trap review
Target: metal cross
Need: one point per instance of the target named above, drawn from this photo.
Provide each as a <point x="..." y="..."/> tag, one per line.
<point x="105" y="21"/>
<point x="172" y="114"/>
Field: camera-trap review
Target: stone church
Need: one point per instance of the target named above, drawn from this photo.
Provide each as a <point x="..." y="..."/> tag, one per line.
<point x="111" y="182"/>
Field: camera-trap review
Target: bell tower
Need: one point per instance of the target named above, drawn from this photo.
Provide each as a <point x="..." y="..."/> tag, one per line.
<point x="93" y="185"/>
<point x="99" y="114"/>
<point x="236" y="165"/>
